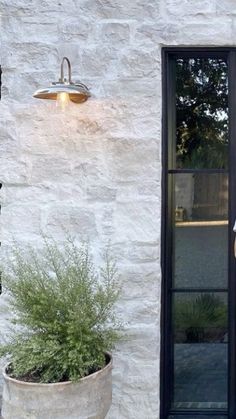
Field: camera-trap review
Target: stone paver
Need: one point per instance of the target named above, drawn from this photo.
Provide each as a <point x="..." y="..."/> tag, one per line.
<point x="201" y="375"/>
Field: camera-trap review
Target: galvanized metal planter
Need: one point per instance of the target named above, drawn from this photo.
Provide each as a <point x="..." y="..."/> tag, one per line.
<point x="89" y="398"/>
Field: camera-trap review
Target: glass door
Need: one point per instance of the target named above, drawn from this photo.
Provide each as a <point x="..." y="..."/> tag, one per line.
<point x="198" y="266"/>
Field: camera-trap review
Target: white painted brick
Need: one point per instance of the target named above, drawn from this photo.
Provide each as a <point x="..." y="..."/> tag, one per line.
<point x="22" y="55"/>
<point x="154" y="34"/>
<point x="136" y="221"/>
<point x="124" y="156"/>
<point x="213" y="32"/>
<point x="70" y="28"/>
<point x="27" y="29"/>
<point x="16" y="220"/>
<point x="73" y="220"/>
<point x="227" y="7"/>
<point x="13" y="169"/>
<point x="101" y="193"/>
<point x="190" y="7"/>
<point x="49" y="168"/>
<point x="98" y="60"/>
<point x="115" y="33"/>
<point x="139" y="63"/>
<point x="120" y="9"/>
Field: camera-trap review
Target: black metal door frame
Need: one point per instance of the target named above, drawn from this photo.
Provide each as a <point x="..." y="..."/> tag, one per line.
<point x="166" y="239"/>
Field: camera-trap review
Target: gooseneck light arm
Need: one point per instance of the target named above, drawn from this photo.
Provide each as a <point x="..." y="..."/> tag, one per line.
<point x="62" y="78"/>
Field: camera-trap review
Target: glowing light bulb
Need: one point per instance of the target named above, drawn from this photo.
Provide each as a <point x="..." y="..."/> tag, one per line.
<point x="63" y="100"/>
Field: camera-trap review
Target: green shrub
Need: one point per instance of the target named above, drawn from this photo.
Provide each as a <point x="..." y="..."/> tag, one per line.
<point x="63" y="313"/>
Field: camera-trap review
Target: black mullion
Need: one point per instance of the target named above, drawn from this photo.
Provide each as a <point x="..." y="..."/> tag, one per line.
<point x="176" y="171"/>
<point x="171" y="102"/>
<point x="203" y="412"/>
<point x="165" y="303"/>
<point x="198" y="52"/>
<point x="194" y="290"/>
<point x="168" y="159"/>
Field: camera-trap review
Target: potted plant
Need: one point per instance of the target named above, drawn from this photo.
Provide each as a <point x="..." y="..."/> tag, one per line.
<point x="63" y="329"/>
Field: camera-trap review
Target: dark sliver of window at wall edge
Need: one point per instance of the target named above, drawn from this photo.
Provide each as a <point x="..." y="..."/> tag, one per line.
<point x="0" y="245"/>
<point x="0" y="83"/>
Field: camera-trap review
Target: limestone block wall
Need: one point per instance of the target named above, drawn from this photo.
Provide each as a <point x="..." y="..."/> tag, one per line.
<point x="96" y="169"/>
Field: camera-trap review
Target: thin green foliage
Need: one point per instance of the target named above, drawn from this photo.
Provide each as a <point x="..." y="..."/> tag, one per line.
<point x="63" y="313"/>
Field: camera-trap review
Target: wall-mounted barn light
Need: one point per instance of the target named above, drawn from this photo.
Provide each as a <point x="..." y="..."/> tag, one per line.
<point x="64" y="89"/>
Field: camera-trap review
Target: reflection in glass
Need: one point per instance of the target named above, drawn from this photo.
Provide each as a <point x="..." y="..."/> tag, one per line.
<point x="200" y="350"/>
<point x="200" y="318"/>
<point x="200" y="236"/>
<point x="201" y="113"/>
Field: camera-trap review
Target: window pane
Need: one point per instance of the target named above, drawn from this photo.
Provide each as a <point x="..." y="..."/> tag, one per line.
<point x="200" y="236"/>
<point x="201" y="113"/>
<point x="200" y="350"/>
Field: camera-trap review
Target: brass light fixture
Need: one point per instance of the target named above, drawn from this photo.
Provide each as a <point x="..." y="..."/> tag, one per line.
<point x="64" y="89"/>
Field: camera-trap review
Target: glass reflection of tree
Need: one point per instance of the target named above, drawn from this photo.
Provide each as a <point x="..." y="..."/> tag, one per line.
<point x="202" y="113"/>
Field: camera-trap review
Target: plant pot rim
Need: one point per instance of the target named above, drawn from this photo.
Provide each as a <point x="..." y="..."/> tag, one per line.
<point x="62" y="383"/>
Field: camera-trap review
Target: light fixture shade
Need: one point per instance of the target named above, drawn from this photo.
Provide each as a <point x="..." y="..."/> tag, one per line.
<point x="78" y="92"/>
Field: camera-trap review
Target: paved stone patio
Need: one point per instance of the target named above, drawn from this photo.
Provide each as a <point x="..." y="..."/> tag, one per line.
<point x="201" y="375"/>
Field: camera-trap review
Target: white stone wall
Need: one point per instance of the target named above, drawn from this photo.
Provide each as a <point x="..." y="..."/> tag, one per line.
<point x="96" y="170"/>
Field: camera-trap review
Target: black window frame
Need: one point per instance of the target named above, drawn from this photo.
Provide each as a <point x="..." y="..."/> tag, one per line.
<point x="169" y="53"/>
